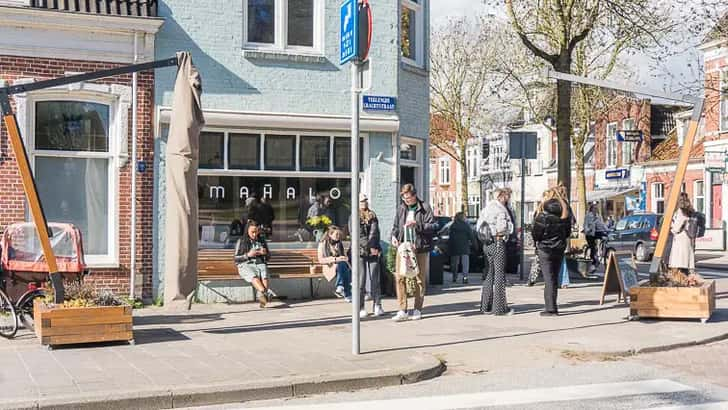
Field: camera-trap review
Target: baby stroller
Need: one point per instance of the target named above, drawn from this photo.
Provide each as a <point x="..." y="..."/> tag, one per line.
<point x="25" y="270"/>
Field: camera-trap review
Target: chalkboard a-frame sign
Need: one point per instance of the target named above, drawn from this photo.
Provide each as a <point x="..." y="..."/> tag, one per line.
<point x="619" y="277"/>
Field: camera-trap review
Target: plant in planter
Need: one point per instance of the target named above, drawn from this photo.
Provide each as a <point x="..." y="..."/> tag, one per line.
<point x="319" y="224"/>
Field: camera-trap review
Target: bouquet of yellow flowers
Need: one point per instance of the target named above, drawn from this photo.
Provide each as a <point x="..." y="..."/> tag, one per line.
<point x="319" y="222"/>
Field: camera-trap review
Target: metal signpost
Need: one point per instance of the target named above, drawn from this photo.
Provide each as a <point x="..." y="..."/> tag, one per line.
<point x="522" y="145"/>
<point x="355" y="40"/>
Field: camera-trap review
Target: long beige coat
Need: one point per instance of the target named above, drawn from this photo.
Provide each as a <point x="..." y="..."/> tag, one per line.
<point x="682" y="253"/>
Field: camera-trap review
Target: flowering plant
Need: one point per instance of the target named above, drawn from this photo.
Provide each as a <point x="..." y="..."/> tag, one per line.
<point x="319" y="222"/>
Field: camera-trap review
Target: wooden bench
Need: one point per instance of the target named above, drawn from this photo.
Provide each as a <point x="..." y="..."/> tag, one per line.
<point x="218" y="265"/>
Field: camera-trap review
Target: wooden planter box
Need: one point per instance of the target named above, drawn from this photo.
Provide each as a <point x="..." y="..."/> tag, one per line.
<point x="61" y="326"/>
<point x="673" y="302"/>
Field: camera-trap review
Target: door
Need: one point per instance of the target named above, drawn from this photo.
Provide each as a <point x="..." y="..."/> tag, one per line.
<point x="407" y="176"/>
<point x="717" y="201"/>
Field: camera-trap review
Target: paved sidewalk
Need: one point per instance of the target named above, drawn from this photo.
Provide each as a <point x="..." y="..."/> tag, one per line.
<point x="224" y="353"/>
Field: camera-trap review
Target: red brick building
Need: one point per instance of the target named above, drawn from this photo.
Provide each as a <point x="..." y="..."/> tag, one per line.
<point x="78" y="137"/>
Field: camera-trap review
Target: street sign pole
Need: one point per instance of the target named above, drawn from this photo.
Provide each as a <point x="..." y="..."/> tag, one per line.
<point x="523" y="209"/>
<point x="356" y="294"/>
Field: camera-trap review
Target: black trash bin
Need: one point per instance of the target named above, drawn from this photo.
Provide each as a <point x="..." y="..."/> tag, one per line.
<point x="437" y="260"/>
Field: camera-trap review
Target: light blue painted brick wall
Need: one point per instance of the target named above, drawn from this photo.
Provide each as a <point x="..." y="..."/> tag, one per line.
<point x="212" y="30"/>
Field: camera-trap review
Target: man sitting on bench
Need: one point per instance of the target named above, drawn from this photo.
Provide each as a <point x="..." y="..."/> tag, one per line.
<point x="251" y="256"/>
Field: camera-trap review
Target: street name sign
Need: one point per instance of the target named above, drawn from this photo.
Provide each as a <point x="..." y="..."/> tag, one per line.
<point x="379" y="103"/>
<point x="616" y="174"/>
<point x="629" y="136"/>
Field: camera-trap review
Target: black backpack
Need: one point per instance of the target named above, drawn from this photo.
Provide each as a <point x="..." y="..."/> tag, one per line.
<point x="696" y="225"/>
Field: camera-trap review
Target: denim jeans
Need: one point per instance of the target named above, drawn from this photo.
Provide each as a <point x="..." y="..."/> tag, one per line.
<point x="343" y="277"/>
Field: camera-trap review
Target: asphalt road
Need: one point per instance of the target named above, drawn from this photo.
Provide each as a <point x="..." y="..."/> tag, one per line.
<point x="691" y="378"/>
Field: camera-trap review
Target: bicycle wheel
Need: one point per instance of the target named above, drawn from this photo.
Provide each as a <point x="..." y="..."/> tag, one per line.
<point x="8" y="320"/>
<point x="24" y="308"/>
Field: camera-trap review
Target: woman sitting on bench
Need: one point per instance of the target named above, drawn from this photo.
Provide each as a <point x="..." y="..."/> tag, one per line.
<point x="251" y="256"/>
<point x="332" y="255"/>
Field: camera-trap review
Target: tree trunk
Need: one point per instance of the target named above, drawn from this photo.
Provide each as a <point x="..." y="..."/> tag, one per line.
<point x="563" y="125"/>
<point x="463" y="177"/>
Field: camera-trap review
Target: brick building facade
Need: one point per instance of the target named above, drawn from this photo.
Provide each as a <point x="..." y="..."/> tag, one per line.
<point x="78" y="137"/>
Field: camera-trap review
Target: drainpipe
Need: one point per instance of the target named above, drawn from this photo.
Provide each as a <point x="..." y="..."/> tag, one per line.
<point x="134" y="96"/>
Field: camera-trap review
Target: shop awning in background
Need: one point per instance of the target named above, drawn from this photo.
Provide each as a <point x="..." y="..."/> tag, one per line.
<point x="602" y="194"/>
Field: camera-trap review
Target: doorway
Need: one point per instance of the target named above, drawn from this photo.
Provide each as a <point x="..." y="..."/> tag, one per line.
<point x="407" y="176"/>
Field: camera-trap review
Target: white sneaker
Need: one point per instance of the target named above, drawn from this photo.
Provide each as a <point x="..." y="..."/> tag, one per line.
<point x="416" y="315"/>
<point x="378" y="311"/>
<point x="401" y="316"/>
<point x="363" y="314"/>
<point x="347" y="299"/>
<point x="339" y="292"/>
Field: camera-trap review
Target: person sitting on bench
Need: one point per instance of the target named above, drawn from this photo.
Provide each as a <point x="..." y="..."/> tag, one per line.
<point x="251" y="257"/>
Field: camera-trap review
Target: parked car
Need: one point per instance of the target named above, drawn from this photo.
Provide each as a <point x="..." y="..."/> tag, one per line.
<point x="637" y="234"/>
<point x="477" y="258"/>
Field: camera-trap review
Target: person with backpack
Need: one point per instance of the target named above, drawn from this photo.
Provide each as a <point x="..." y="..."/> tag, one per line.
<point x="494" y="229"/>
<point x="684" y="229"/>
<point x="415" y="224"/>
<point x="551" y="231"/>
<point x="459" y="241"/>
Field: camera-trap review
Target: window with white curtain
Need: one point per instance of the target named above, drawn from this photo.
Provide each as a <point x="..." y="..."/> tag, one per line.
<point x="611" y="138"/>
<point x="73" y="164"/>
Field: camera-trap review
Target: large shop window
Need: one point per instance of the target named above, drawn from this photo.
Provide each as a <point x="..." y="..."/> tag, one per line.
<point x="294" y="176"/>
<point x="225" y="199"/>
<point x="212" y="150"/>
<point x="73" y="169"/>
<point x="283" y="24"/>
<point x="412" y="29"/>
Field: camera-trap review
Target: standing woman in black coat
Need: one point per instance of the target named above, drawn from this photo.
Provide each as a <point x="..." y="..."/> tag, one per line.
<point x="551" y="231"/>
<point x="369" y="258"/>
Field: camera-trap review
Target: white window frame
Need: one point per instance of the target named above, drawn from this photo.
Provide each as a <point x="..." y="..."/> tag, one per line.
<point x="628" y="159"/>
<point x="723" y="114"/>
<point x="611" y="145"/>
<point x="280" y="36"/>
<point x="113" y="155"/>
<point x="418" y="9"/>
<point x="696" y="196"/>
<point x="443" y="168"/>
<point x="655" y="198"/>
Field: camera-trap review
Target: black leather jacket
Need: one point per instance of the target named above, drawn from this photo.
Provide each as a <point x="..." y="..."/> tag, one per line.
<point x="550" y="232"/>
<point x="424" y="229"/>
<point x="245" y="244"/>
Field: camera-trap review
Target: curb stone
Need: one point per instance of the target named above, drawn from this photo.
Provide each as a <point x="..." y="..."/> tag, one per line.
<point x="424" y="367"/>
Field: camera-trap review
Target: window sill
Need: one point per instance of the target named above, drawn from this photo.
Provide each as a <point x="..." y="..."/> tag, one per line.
<point x="284" y="55"/>
<point x="413" y="67"/>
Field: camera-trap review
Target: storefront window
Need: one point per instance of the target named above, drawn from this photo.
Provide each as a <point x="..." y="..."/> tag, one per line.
<point x="212" y="150"/>
<point x="342" y="154"/>
<point x="244" y="151"/>
<point x="315" y="153"/>
<point x="224" y="200"/>
<point x="280" y="152"/>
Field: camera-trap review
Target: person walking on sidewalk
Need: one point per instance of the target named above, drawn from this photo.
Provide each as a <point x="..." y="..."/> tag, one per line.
<point x="551" y="230"/>
<point x="251" y="257"/>
<point x="333" y="257"/>
<point x="682" y="252"/>
<point x="414" y="221"/>
<point x="458" y="246"/>
<point x="493" y="293"/>
<point x="370" y="257"/>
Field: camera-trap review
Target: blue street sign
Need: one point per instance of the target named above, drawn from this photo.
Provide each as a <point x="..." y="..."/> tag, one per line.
<point x="629" y="136"/>
<point x="616" y="174"/>
<point x="379" y="103"/>
<point x="348" y="31"/>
